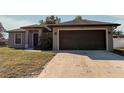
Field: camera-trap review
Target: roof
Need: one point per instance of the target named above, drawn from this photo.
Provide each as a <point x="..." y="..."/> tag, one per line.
<point x="33" y="26"/>
<point x="84" y="22"/>
<point x="75" y="22"/>
<point x="37" y="26"/>
<point x="22" y="29"/>
<point x="16" y="30"/>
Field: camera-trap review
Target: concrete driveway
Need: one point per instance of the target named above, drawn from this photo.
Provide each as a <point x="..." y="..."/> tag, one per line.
<point x="76" y="64"/>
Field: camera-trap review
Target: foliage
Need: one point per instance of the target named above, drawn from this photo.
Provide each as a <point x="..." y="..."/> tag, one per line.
<point x="41" y="22"/>
<point x="2" y="30"/>
<point x="46" y="44"/>
<point x="117" y="32"/>
<point x="1" y="35"/>
<point x="50" y="20"/>
<point x="46" y="41"/>
<point x="78" y="18"/>
<point x="119" y="49"/>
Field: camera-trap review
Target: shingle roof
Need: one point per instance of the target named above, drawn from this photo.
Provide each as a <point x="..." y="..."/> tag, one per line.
<point x="21" y="29"/>
<point x="81" y="22"/>
<point x="85" y="22"/>
<point x="75" y="22"/>
<point x="16" y="30"/>
<point x="35" y="26"/>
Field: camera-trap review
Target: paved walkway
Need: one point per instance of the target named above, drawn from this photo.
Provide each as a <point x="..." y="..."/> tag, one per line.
<point x="72" y="64"/>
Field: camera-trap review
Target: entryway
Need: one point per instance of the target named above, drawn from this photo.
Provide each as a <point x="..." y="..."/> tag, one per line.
<point x="35" y="40"/>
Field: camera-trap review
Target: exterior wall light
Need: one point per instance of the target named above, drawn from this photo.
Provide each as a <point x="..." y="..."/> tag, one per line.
<point x="109" y="32"/>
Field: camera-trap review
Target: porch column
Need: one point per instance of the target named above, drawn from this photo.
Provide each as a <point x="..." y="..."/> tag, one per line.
<point x="26" y="39"/>
<point x="39" y="36"/>
<point x="107" y="36"/>
<point x="55" y="39"/>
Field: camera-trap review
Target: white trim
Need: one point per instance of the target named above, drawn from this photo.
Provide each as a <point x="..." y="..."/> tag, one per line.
<point x="33" y="38"/>
<point x="106" y="29"/>
<point x="15" y="38"/>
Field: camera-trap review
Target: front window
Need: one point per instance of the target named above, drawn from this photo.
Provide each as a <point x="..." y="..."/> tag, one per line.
<point x="18" y="38"/>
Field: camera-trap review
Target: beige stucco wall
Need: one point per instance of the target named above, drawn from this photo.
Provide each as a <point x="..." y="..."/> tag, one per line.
<point x="110" y="38"/>
<point x="11" y="40"/>
<point x="109" y="43"/>
<point x="24" y="41"/>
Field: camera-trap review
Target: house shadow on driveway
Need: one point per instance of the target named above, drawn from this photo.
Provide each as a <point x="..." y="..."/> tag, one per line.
<point x="95" y="54"/>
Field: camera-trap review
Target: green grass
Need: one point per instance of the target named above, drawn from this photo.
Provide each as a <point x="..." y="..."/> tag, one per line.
<point x="20" y="63"/>
<point x="119" y="49"/>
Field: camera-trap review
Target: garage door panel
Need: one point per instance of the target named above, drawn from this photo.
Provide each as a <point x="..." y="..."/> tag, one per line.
<point x="82" y="40"/>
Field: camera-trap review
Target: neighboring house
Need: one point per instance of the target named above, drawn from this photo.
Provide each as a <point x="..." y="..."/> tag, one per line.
<point x="3" y="42"/>
<point x="72" y="35"/>
<point x="118" y="41"/>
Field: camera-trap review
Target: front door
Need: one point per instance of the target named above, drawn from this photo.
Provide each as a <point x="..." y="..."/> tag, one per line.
<point x="35" y="40"/>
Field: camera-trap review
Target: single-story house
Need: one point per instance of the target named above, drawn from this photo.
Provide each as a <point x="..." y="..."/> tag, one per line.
<point x="3" y="42"/>
<point x="76" y="34"/>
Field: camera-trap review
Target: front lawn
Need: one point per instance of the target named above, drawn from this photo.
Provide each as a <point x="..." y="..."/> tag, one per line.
<point x="21" y="63"/>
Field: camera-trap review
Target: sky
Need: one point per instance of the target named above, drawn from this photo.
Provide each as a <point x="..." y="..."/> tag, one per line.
<point x="15" y="21"/>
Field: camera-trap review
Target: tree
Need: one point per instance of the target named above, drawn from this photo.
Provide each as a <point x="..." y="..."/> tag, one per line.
<point x="78" y="18"/>
<point x="41" y="22"/>
<point x="45" y="42"/>
<point x="117" y="32"/>
<point x="50" y="20"/>
<point x="2" y="30"/>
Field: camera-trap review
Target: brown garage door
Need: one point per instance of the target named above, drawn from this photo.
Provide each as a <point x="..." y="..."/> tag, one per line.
<point x="82" y="40"/>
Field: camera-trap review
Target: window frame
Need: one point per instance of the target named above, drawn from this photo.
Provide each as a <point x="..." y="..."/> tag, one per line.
<point x="15" y="43"/>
